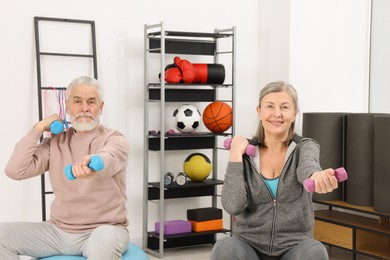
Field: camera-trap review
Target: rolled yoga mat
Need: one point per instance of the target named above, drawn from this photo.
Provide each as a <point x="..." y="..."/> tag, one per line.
<point x="360" y="158"/>
<point x="328" y="130"/>
<point x="381" y="191"/>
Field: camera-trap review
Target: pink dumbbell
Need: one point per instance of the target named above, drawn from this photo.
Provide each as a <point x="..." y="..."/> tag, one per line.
<point x="250" y="149"/>
<point x="340" y="174"/>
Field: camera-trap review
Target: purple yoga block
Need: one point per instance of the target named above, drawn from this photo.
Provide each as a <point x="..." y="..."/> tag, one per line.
<point x="174" y="227"/>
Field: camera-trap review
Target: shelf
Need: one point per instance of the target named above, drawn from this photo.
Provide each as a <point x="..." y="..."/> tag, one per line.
<point x="191" y="43"/>
<point x="190" y="189"/>
<point x="373" y="244"/>
<point x="178" y="46"/>
<point x="189" y="234"/>
<point x="185" y="239"/>
<point x="191" y="34"/>
<point x="183" y="95"/>
<point x="183" y="141"/>
<point x="367" y="243"/>
<point x="352" y="221"/>
<point x="186" y="92"/>
<point x="366" y="235"/>
<point x="325" y="232"/>
<point x="185" y="86"/>
<point x="344" y="205"/>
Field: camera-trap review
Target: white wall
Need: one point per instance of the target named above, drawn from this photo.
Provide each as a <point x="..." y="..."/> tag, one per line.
<point x="380" y="57"/>
<point x="269" y="48"/>
<point x="329" y="48"/>
<point x="119" y="26"/>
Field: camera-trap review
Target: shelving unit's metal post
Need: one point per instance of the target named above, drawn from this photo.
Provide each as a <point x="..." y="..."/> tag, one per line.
<point x="162" y="140"/>
<point x="146" y="139"/>
<point x="161" y="49"/>
<point x="231" y="32"/>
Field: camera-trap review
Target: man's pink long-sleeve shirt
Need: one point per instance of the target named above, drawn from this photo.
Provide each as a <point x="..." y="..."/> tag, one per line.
<point x="80" y="205"/>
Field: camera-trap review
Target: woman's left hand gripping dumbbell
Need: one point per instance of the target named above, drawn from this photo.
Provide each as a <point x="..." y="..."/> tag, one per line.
<point x="86" y="168"/>
<point x="326" y="180"/>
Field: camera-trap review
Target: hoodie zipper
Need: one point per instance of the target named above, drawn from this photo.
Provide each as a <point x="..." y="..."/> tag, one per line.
<point x="272" y="229"/>
<point x="274" y="199"/>
<point x="274" y="205"/>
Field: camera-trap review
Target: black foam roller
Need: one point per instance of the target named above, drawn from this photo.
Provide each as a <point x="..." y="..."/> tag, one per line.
<point x="359" y="158"/>
<point x="328" y="130"/>
<point x="381" y="187"/>
<point x="216" y="74"/>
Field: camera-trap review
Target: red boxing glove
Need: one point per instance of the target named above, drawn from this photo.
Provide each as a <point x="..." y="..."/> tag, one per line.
<point x="186" y="68"/>
<point x="183" y="71"/>
<point x="173" y="75"/>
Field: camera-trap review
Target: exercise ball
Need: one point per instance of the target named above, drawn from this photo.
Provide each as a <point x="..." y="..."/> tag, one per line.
<point x="197" y="166"/>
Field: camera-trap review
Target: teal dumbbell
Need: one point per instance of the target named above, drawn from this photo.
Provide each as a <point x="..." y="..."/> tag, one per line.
<point x="56" y="127"/>
<point x="95" y="164"/>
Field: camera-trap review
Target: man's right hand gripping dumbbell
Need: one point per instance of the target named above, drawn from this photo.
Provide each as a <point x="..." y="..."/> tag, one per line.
<point x="84" y="169"/>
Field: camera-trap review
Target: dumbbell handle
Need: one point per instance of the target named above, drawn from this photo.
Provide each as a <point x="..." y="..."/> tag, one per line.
<point x="250" y="150"/>
<point x="95" y="164"/>
<point x="340" y="174"/>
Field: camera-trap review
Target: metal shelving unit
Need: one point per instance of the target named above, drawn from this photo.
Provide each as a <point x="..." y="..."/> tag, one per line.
<point x="158" y="43"/>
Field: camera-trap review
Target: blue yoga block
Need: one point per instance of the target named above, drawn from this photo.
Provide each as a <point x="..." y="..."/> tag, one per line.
<point x="133" y="253"/>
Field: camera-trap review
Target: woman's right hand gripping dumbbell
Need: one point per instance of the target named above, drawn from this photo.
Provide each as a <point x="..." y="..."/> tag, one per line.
<point x="238" y="146"/>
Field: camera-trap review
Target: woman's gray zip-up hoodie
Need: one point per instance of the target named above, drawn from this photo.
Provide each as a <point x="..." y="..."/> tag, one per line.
<point x="272" y="226"/>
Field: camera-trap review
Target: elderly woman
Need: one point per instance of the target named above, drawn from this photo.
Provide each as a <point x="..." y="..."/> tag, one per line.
<point x="274" y="215"/>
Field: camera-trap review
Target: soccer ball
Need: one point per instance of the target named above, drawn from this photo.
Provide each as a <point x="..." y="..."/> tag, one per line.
<point x="187" y="118"/>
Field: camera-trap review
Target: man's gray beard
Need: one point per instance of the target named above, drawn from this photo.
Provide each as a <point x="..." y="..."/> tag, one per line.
<point x="84" y="127"/>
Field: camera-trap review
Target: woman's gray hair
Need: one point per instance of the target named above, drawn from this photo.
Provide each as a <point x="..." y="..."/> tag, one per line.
<point x="84" y="80"/>
<point x="274" y="87"/>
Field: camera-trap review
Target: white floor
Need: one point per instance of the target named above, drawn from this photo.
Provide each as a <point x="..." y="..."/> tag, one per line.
<point x="186" y="253"/>
<point x="203" y="253"/>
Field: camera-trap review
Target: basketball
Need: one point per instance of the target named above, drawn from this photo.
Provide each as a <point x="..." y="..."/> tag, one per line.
<point x="218" y="117"/>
